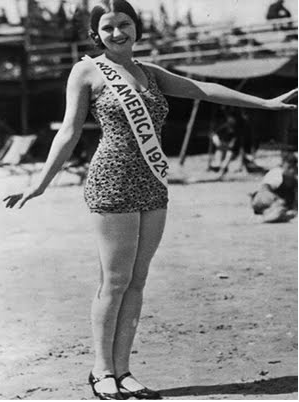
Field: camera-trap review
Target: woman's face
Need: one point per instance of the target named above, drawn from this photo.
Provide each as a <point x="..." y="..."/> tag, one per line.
<point x="117" y="31"/>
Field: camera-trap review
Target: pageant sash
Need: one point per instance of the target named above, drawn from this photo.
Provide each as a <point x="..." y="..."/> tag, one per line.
<point x="138" y="117"/>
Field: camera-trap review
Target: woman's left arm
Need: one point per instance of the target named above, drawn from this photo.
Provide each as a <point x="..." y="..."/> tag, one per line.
<point x="175" y="85"/>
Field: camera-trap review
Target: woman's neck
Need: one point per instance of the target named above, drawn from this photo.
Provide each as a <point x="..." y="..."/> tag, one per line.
<point x="124" y="60"/>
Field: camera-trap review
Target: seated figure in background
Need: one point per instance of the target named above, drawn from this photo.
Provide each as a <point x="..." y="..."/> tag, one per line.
<point x="276" y="198"/>
<point x="278" y="10"/>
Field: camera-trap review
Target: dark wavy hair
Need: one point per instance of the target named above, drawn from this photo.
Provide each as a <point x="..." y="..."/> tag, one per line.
<point x="108" y="6"/>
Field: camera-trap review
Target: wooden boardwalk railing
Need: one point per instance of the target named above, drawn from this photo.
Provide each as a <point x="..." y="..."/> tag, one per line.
<point x="206" y="43"/>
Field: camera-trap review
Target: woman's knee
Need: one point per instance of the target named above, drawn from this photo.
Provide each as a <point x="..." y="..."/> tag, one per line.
<point x="138" y="282"/>
<point x="262" y="200"/>
<point x="116" y="284"/>
<point x="117" y="267"/>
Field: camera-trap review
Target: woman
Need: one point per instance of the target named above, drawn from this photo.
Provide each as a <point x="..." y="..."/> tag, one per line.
<point x="128" y="202"/>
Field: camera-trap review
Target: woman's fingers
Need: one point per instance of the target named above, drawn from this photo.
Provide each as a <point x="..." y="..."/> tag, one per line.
<point x="289" y="95"/>
<point x="281" y="102"/>
<point x="12" y="200"/>
<point x="289" y="107"/>
<point x="6" y="198"/>
<point x="24" y="200"/>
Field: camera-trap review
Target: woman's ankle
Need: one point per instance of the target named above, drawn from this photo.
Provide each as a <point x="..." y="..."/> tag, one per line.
<point x="120" y="372"/>
<point x="98" y="371"/>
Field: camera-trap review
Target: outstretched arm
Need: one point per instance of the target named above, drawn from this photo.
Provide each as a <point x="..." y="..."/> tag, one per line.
<point x="77" y="100"/>
<point x="175" y="85"/>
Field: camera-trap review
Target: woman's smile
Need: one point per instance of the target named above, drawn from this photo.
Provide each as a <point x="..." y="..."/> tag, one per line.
<point x="120" y="41"/>
<point x="117" y="29"/>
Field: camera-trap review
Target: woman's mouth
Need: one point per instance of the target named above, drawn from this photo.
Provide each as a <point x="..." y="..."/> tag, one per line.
<point x="120" y="41"/>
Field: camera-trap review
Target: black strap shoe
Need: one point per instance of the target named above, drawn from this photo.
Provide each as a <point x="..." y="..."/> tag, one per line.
<point x="103" y="395"/>
<point x="144" y="393"/>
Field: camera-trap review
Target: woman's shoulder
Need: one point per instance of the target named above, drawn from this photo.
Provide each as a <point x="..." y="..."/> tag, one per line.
<point x="84" y="71"/>
<point x="83" y="66"/>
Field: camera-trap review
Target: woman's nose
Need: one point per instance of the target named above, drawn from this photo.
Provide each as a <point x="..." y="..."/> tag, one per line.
<point x="116" y="32"/>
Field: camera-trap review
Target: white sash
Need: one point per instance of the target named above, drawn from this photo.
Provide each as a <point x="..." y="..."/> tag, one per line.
<point x="138" y="117"/>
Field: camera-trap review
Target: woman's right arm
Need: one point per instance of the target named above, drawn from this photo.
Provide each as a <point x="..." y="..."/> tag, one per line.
<point x="77" y="101"/>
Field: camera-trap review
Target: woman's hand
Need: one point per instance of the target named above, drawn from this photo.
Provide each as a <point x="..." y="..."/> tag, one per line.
<point x="22" y="198"/>
<point x="280" y="103"/>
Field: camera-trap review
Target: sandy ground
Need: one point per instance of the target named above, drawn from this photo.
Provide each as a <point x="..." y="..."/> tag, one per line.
<point x="220" y="312"/>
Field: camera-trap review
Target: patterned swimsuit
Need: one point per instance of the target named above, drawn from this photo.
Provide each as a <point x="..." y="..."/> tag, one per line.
<point x="119" y="180"/>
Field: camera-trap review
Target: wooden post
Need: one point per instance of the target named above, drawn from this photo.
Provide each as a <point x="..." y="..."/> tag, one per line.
<point x="24" y="115"/>
<point x="285" y="126"/>
<point x="24" y="91"/>
<point x="74" y="52"/>
<point x="188" y="131"/>
<point x="211" y="129"/>
<point x="242" y="139"/>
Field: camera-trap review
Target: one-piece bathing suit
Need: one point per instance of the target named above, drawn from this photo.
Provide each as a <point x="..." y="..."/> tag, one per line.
<point x="119" y="179"/>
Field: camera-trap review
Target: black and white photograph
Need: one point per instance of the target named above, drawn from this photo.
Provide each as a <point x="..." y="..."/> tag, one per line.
<point x="149" y="199"/>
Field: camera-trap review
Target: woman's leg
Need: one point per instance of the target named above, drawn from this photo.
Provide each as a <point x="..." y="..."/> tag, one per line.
<point x="151" y="229"/>
<point x="117" y="237"/>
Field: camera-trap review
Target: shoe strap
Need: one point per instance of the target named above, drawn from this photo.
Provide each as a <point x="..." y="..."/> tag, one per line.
<point x="95" y="379"/>
<point x="122" y="377"/>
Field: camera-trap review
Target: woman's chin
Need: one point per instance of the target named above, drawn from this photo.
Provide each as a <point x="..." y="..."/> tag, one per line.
<point x="121" y="46"/>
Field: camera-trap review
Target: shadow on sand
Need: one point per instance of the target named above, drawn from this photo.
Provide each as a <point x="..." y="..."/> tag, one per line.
<point x="273" y="386"/>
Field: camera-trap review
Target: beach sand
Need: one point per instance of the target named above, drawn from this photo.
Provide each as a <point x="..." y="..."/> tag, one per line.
<point x="220" y="309"/>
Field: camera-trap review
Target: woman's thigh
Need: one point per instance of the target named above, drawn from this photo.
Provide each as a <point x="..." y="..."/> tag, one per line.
<point x="152" y="225"/>
<point x="117" y="237"/>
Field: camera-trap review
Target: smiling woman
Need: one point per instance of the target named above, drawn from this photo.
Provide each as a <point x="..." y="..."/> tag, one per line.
<point x="122" y="27"/>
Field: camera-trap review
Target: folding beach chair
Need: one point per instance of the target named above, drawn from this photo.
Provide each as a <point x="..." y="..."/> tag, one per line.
<point x="14" y="154"/>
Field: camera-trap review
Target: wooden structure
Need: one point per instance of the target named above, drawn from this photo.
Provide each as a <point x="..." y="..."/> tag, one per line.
<point x="47" y="65"/>
<point x="239" y="72"/>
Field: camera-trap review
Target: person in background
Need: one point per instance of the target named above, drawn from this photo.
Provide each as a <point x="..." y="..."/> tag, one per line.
<point x="278" y="10"/>
<point x="277" y="196"/>
<point x="126" y="186"/>
<point x="224" y="140"/>
<point x="3" y="17"/>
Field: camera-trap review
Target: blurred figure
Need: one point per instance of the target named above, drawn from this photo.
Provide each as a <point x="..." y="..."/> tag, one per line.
<point x="164" y="25"/>
<point x="224" y="140"/>
<point x="189" y="19"/>
<point x="79" y="24"/>
<point x="164" y="20"/>
<point x="61" y="17"/>
<point x="247" y="146"/>
<point x="276" y="199"/>
<point x="277" y="10"/>
<point x="3" y="17"/>
<point x="35" y="12"/>
<point x="152" y="28"/>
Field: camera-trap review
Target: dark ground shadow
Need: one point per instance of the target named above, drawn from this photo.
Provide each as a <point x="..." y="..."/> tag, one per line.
<point x="225" y="179"/>
<point x="272" y="386"/>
